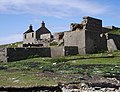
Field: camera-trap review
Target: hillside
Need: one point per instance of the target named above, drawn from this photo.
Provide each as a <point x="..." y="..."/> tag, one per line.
<point x="52" y="71"/>
<point x="12" y="45"/>
<point x="115" y="32"/>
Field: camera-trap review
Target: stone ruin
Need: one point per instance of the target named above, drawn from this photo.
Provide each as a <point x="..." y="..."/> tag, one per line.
<point x="90" y="37"/>
<point x="88" y="23"/>
<point x="87" y="37"/>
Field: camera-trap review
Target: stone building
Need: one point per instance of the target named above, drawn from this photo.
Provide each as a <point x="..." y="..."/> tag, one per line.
<point x="90" y="37"/>
<point x="87" y="37"/>
<point x="40" y="37"/>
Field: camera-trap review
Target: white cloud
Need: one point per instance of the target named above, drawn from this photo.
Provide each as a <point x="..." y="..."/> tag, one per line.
<point x="56" y="8"/>
<point x="11" y="39"/>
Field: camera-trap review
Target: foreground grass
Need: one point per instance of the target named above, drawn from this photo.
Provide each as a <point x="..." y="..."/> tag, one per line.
<point x="51" y="71"/>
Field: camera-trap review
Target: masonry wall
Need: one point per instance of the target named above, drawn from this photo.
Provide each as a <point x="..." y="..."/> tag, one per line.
<point x="113" y="42"/>
<point x="57" y="51"/>
<point x="15" y="54"/>
<point x="3" y="54"/>
<point x="71" y="50"/>
<point x="93" y="24"/>
<point x="92" y="41"/>
<point x="22" y="53"/>
<point x="103" y="42"/>
<point x="75" y="38"/>
<point x="64" y="51"/>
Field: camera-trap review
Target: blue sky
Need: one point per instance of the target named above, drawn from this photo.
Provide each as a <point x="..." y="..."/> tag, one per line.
<point x="17" y="15"/>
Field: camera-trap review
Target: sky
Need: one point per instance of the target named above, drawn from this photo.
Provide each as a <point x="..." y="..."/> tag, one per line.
<point x="17" y="15"/>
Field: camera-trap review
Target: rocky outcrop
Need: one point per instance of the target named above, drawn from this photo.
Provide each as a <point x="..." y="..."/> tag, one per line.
<point x="97" y="84"/>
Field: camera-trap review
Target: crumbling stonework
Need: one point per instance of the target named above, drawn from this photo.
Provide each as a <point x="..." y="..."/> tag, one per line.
<point x="113" y="42"/>
<point x="59" y="38"/>
<point x="86" y="36"/>
<point x="90" y="37"/>
<point x="3" y="54"/>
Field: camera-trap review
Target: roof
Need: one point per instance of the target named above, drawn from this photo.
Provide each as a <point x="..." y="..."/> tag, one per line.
<point x="30" y="29"/>
<point x="43" y="29"/>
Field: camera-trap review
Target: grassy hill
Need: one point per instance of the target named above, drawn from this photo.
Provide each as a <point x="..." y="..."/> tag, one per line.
<point x="12" y="45"/>
<point x="115" y="32"/>
<point x="52" y="71"/>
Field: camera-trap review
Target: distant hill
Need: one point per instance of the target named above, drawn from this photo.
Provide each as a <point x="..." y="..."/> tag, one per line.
<point x="12" y="45"/>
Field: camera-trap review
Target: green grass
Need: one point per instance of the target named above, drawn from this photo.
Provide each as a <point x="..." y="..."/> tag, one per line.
<point x="12" y="45"/>
<point x="51" y="71"/>
<point x="115" y="32"/>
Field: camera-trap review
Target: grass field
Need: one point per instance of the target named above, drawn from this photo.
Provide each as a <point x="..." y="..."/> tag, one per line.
<point x="51" y="71"/>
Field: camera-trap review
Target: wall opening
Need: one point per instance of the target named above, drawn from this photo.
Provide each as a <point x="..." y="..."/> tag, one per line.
<point x="25" y="36"/>
<point x="32" y="35"/>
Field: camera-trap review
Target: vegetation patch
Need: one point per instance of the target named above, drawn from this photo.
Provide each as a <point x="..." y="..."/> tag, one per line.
<point x="52" y="71"/>
<point x="115" y="32"/>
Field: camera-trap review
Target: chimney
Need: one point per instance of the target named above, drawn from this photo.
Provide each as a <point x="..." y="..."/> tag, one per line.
<point x="42" y="24"/>
<point x="30" y="27"/>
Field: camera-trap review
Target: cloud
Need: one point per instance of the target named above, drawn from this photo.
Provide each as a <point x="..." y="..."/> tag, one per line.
<point x="11" y="39"/>
<point x="56" y="8"/>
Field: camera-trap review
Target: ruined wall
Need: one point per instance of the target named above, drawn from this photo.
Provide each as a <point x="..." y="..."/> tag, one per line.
<point x="71" y="50"/>
<point x="75" y="38"/>
<point x="64" y="51"/>
<point x="57" y="51"/>
<point x="2" y="54"/>
<point x="92" y="41"/>
<point x="22" y="53"/>
<point x="113" y="42"/>
<point x="92" y="34"/>
<point x="103" y="42"/>
<point x="93" y="24"/>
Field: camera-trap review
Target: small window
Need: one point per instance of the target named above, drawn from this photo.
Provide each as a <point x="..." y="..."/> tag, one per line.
<point x="32" y="35"/>
<point x="25" y="36"/>
<point x="40" y="36"/>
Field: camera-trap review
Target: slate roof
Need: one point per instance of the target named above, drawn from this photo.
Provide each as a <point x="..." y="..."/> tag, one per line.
<point x="43" y="29"/>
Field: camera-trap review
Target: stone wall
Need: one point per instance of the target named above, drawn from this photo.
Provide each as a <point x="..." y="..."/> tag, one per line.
<point x="14" y="54"/>
<point x="22" y="53"/>
<point x="93" y="24"/>
<point x="92" y="41"/>
<point x="64" y="51"/>
<point x="57" y="51"/>
<point x="103" y="42"/>
<point x="75" y="38"/>
<point x="71" y="50"/>
<point x="3" y="54"/>
<point x="113" y="42"/>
